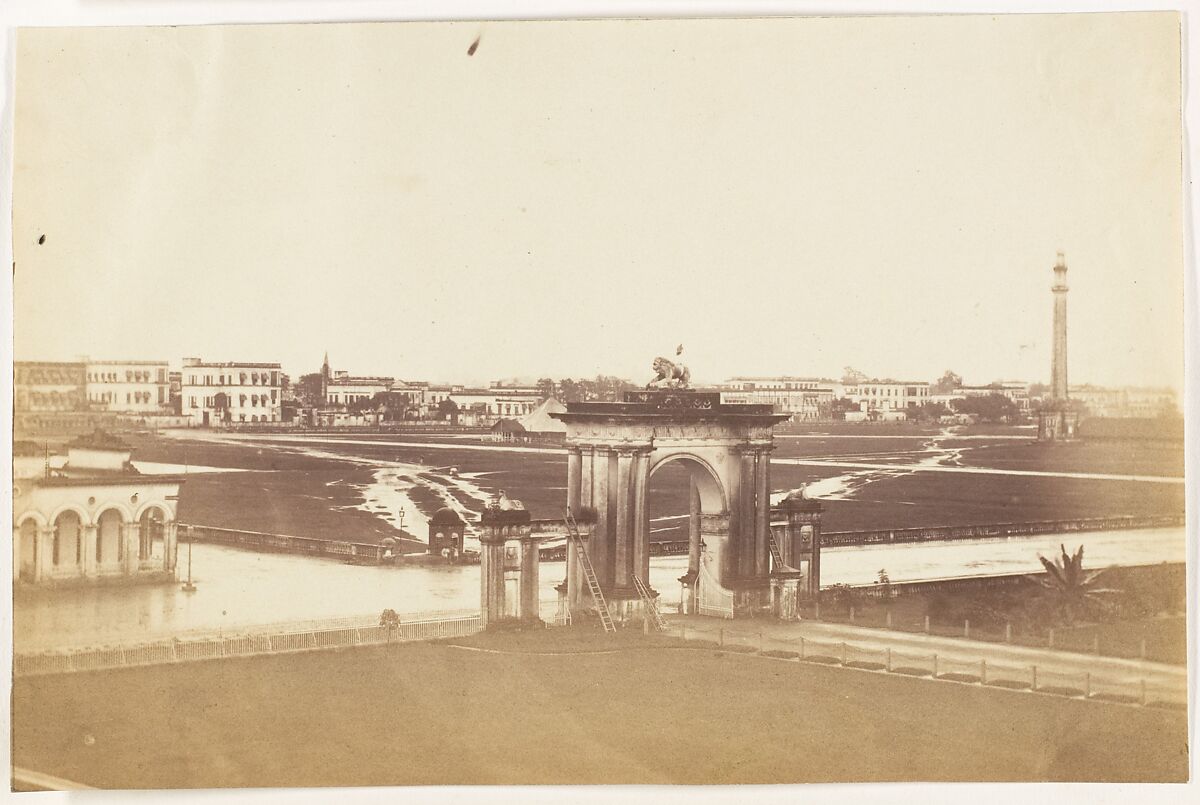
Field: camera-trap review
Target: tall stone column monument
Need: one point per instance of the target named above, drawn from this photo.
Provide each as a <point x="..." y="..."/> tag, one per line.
<point x="1056" y="420"/>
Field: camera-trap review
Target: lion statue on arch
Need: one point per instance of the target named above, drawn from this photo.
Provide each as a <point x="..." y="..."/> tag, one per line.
<point x="668" y="374"/>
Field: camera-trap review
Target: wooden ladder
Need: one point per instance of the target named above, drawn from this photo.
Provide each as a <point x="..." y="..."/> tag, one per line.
<point x="776" y="556"/>
<point x="650" y="603"/>
<point x="589" y="572"/>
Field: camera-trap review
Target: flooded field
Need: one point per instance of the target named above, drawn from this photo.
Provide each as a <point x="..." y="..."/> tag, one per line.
<point x="239" y="588"/>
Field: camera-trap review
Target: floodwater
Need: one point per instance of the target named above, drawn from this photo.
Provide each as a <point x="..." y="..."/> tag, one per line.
<point x="239" y="588"/>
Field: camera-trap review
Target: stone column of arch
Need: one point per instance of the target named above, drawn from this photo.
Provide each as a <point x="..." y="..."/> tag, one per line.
<point x="574" y="495"/>
<point x="600" y="546"/>
<point x="624" y="531"/>
<point x="762" y="511"/>
<point x="584" y="501"/>
<point x="641" y="523"/>
<point x="16" y="558"/>
<point x="743" y="537"/>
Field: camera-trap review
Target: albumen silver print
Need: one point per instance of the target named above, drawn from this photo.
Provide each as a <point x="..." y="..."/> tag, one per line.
<point x="599" y="402"/>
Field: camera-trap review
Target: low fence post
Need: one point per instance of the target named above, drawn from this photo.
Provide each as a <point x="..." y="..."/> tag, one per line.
<point x="935" y="666"/>
<point x="760" y="642"/>
<point x="926" y="624"/>
<point x="889" y="658"/>
<point x="817" y="610"/>
<point x="1033" y="677"/>
<point x="889" y="619"/>
<point x="966" y="628"/>
<point x="843" y="652"/>
<point x="852" y="614"/>
<point x="802" y="648"/>
<point x="1087" y="684"/>
<point x="1050" y="637"/>
<point x="1096" y="643"/>
<point x="1143" y="649"/>
<point x="983" y="672"/>
<point x="1008" y="632"/>
<point x="721" y="636"/>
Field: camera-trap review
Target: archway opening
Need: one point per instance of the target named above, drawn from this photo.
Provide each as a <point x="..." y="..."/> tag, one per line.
<point x="686" y="516"/>
<point x="151" y="534"/>
<point x="108" y="538"/>
<point x="28" y="534"/>
<point x="67" y="544"/>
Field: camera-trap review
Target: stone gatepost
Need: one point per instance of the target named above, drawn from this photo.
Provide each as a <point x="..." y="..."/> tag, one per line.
<point x="784" y="591"/>
<point x="508" y="546"/>
<point x="804" y="537"/>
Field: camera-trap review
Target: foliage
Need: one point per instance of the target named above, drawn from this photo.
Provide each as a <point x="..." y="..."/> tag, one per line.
<point x="603" y="388"/>
<point x="448" y="409"/>
<point x="389" y="618"/>
<point x="852" y="377"/>
<point x="929" y="411"/>
<point x="841" y="597"/>
<point x="1071" y="590"/>
<point x="841" y="405"/>
<point x="992" y="408"/>
<point x="947" y="384"/>
<point x="308" y="390"/>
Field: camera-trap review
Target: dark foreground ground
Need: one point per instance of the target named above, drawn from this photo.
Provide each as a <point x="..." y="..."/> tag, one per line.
<point x="617" y="710"/>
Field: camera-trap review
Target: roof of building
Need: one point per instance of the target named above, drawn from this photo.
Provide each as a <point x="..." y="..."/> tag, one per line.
<point x="126" y="363"/>
<point x="539" y="420"/>
<point x="230" y="365"/>
<point x="364" y="381"/>
<point x="99" y="440"/>
<point x="506" y="425"/>
<point x="446" y="516"/>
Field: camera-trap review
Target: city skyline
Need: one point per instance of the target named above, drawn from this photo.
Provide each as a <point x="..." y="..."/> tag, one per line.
<point x="757" y="215"/>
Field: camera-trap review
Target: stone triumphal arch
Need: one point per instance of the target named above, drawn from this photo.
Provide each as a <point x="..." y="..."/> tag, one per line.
<point x="614" y="448"/>
<point x="744" y="555"/>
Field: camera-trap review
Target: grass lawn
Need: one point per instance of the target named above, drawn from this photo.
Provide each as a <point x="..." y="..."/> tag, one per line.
<point x="624" y="709"/>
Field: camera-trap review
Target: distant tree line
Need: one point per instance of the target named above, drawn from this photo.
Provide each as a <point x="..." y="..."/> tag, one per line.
<point x="603" y="388"/>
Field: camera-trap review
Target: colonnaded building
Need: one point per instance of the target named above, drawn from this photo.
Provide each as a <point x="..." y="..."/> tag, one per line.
<point x="90" y="516"/>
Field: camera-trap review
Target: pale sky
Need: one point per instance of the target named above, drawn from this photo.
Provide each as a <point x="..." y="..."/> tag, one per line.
<point x="781" y="196"/>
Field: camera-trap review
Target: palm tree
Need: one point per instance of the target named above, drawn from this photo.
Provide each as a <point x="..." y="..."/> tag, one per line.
<point x="1072" y="589"/>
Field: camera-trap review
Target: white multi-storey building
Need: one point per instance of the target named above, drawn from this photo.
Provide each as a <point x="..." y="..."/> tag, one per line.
<point x="1126" y="401"/>
<point x="342" y="389"/>
<point x="887" y="395"/>
<point x="127" y="386"/>
<point x="805" y="398"/>
<point x="230" y="393"/>
<point x="496" y="401"/>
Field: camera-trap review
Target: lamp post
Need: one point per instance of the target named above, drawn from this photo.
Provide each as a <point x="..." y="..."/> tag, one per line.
<point x="189" y="587"/>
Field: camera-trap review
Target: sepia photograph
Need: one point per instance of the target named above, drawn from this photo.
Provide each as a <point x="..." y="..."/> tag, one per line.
<point x="600" y="402"/>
